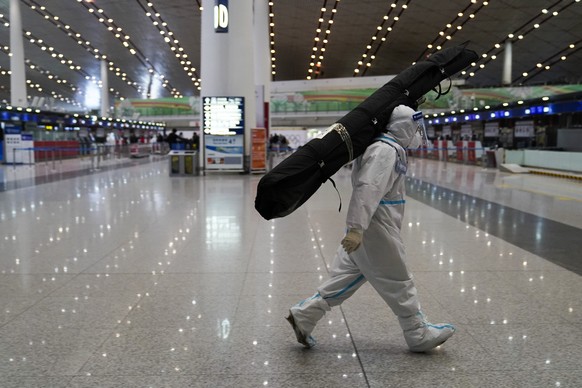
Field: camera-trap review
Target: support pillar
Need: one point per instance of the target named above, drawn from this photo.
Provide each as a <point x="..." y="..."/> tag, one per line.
<point x="262" y="61"/>
<point x="507" y="62"/>
<point x="227" y="60"/>
<point x="104" y="89"/>
<point x="17" y="68"/>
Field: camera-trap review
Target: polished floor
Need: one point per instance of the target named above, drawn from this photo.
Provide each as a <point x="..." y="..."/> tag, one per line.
<point x="125" y="277"/>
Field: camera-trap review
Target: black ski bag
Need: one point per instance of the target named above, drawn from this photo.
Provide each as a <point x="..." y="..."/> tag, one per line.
<point x="299" y="176"/>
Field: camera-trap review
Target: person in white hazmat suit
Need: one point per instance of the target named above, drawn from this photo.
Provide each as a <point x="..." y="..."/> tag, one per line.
<point x="372" y="250"/>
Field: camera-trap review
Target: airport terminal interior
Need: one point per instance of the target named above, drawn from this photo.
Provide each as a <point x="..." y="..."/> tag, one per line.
<point x="126" y="277"/>
<point x="135" y="262"/>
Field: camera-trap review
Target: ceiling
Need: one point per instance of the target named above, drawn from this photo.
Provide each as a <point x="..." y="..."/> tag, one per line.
<point x="65" y="39"/>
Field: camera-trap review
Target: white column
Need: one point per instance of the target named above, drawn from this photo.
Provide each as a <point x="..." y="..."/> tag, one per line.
<point x="262" y="59"/>
<point x="18" y="77"/>
<point x="507" y="61"/>
<point x="104" y="89"/>
<point x="227" y="60"/>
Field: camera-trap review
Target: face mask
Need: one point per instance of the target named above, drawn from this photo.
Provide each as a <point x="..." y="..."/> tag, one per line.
<point x="416" y="141"/>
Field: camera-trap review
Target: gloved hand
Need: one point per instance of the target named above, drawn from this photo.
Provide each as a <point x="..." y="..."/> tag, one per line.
<point x="352" y="240"/>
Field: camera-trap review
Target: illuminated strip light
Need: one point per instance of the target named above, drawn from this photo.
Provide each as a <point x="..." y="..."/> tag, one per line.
<point x="6" y="50"/>
<point x="374" y="39"/>
<point x="272" y="40"/>
<point x="549" y="62"/>
<point x="76" y="36"/>
<point x="316" y="39"/>
<point x="174" y="44"/>
<point x="469" y="17"/>
<point x="315" y="64"/>
<point x="53" y="53"/>
<point x="519" y="109"/>
<point x="492" y="53"/>
<point x="125" y="41"/>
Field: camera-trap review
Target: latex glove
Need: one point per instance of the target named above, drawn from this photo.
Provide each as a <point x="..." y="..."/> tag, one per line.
<point x="352" y="240"/>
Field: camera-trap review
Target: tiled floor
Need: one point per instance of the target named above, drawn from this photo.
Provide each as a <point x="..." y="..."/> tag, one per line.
<point x="126" y="277"/>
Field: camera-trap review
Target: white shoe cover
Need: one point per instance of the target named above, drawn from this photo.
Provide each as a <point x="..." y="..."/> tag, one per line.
<point x="304" y="339"/>
<point x="421" y="335"/>
<point x="304" y="316"/>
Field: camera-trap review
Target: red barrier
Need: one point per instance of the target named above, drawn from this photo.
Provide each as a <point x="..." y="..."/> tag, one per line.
<point x="442" y="151"/>
<point x="435" y="150"/>
<point x="471" y="157"/>
<point x="460" y="151"/>
<point x="64" y="149"/>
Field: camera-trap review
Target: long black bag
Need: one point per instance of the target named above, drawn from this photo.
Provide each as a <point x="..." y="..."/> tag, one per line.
<point x="299" y="176"/>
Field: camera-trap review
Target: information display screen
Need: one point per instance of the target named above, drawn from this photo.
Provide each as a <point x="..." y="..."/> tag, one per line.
<point x="224" y="127"/>
<point x="223" y="115"/>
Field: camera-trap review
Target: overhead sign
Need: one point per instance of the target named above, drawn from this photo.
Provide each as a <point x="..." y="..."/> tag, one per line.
<point x="524" y="129"/>
<point x="223" y="115"/>
<point x="221" y="16"/>
<point x="492" y="129"/>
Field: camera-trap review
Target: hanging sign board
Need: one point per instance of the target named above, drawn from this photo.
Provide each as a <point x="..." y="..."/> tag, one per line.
<point x="466" y="131"/>
<point x="221" y="16"/>
<point x="524" y="129"/>
<point x="447" y="131"/>
<point x="492" y="129"/>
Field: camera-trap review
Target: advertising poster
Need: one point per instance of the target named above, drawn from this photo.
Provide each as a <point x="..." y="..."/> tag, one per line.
<point x="224" y="152"/>
<point x="259" y="150"/>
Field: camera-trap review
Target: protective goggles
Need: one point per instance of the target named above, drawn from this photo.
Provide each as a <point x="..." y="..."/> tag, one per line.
<point x="418" y="119"/>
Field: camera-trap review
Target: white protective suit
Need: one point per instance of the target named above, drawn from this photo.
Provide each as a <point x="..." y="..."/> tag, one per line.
<point x="376" y="209"/>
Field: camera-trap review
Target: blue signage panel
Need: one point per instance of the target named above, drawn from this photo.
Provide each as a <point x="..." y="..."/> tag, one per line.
<point x="12" y="129"/>
<point x="221" y="17"/>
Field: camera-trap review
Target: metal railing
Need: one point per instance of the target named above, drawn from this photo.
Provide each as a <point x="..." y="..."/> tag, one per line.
<point x="96" y="154"/>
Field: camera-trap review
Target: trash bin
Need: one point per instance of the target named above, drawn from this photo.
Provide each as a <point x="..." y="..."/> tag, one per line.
<point x="490" y="159"/>
<point x="183" y="163"/>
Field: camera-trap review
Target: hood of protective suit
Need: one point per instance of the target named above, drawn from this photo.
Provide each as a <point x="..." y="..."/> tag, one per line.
<point x="402" y="127"/>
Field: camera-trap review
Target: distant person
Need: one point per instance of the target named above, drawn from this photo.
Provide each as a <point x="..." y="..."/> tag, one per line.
<point x="133" y="138"/>
<point x="173" y="138"/>
<point x="195" y="141"/>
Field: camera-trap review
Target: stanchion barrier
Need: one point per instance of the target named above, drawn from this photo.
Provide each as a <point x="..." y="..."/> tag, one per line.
<point x="138" y="150"/>
<point x="469" y="152"/>
<point x="49" y="155"/>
